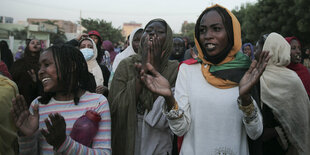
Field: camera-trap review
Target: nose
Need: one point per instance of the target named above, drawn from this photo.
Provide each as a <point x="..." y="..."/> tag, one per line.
<point x="298" y="51"/>
<point x="41" y="71"/>
<point x="208" y="35"/>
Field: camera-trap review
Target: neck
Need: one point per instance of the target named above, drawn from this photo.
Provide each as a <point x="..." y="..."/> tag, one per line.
<point x="63" y="96"/>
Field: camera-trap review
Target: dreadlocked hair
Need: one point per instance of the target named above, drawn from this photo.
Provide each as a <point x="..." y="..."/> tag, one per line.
<point x="72" y="72"/>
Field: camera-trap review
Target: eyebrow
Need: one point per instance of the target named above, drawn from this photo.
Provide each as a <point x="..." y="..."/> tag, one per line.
<point x="212" y="25"/>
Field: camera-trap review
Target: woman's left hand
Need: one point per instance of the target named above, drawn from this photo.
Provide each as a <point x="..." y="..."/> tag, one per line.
<point x="55" y="134"/>
<point x="155" y="82"/>
<point x="252" y="76"/>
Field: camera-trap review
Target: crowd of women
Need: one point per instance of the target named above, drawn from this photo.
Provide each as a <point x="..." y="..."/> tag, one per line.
<point x="157" y="96"/>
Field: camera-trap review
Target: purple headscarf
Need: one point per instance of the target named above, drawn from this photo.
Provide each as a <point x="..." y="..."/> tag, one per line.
<point x="252" y="49"/>
<point x="107" y="45"/>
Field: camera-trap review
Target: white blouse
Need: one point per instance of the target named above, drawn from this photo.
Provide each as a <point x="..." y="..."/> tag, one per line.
<point x="212" y="122"/>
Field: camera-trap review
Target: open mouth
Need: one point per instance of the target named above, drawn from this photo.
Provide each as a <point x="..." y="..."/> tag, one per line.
<point x="210" y="46"/>
<point x="45" y="80"/>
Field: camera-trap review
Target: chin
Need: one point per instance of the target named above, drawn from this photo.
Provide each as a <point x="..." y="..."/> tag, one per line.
<point x="213" y="53"/>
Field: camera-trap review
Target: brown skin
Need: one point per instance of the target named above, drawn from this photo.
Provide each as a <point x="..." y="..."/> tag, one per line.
<point x="178" y="48"/>
<point x="153" y="38"/>
<point x="211" y="31"/>
<point x="295" y="51"/>
<point x="136" y="40"/>
<point x="94" y="38"/>
<point x="28" y="123"/>
<point x="247" y="51"/>
<point x="34" y="46"/>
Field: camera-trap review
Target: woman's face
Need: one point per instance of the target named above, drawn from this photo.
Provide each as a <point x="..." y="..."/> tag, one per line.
<point x="295" y="51"/>
<point x="48" y="73"/>
<point x="213" y="36"/>
<point x="86" y="44"/>
<point x="247" y="51"/>
<point x="153" y="52"/>
<point x="35" y="46"/>
<point x="178" y="47"/>
<point x="157" y="29"/>
<point x="136" y="40"/>
<point x="94" y="38"/>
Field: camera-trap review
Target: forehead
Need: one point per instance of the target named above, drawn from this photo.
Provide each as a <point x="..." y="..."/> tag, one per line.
<point x="294" y="42"/>
<point x="34" y="41"/>
<point x="211" y="17"/>
<point x="93" y="36"/>
<point x="46" y="56"/>
<point x="177" y="40"/>
<point x="247" y="47"/>
<point x="86" y="42"/>
<point x="156" y="25"/>
<point x="138" y="34"/>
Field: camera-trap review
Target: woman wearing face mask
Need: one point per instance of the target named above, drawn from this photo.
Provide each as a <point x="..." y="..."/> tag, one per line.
<point x="24" y="71"/>
<point x="138" y="125"/>
<point x="296" y="64"/>
<point x="89" y="50"/>
<point x="212" y="106"/>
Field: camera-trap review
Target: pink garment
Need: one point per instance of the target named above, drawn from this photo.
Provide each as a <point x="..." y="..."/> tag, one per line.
<point x="107" y="45"/>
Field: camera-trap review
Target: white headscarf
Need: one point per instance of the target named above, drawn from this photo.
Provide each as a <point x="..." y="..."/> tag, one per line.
<point x="93" y="66"/>
<point x="127" y="52"/>
<point x="283" y="91"/>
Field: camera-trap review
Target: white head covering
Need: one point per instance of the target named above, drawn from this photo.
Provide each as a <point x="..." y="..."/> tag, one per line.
<point x="93" y="66"/>
<point x="283" y="91"/>
<point x="127" y="52"/>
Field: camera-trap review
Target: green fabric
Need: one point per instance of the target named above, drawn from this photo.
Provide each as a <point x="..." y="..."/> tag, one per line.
<point x="8" y="136"/>
<point x="122" y="95"/>
<point x="240" y="61"/>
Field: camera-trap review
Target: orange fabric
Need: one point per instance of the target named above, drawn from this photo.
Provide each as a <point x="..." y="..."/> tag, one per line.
<point x="218" y="82"/>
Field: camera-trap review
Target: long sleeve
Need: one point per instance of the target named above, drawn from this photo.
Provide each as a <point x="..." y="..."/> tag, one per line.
<point x="181" y="125"/>
<point x="102" y="140"/>
<point x="122" y="101"/>
<point x="29" y="145"/>
<point x="254" y="129"/>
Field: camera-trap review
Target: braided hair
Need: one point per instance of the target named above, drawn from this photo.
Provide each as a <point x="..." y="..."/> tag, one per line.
<point x="72" y="72"/>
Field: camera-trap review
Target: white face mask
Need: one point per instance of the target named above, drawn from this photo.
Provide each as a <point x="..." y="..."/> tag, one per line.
<point x="88" y="53"/>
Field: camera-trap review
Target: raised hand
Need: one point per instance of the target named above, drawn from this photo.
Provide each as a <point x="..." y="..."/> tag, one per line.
<point x="27" y="123"/>
<point x="253" y="74"/>
<point x="152" y="51"/>
<point x="32" y="74"/>
<point x="55" y="134"/>
<point x="155" y="82"/>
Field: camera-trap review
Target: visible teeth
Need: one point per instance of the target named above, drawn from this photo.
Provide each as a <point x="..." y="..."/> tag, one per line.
<point x="210" y="46"/>
<point x="45" y="79"/>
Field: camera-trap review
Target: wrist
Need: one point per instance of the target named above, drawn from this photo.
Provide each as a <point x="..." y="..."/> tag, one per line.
<point x="245" y="99"/>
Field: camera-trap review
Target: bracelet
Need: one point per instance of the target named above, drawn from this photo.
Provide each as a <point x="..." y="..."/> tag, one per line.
<point x="247" y="110"/>
<point x="175" y="106"/>
<point x="251" y="117"/>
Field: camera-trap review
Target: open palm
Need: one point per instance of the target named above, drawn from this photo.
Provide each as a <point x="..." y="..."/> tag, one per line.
<point x="27" y="123"/>
<point x="252" y="76"/>
<point x="156" y="82"/>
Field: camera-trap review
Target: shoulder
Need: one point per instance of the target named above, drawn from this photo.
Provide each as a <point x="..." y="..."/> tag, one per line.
<point x="93" y="98"/>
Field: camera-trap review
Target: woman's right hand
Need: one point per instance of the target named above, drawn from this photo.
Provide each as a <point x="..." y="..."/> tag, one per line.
<point x="27" y="123"/>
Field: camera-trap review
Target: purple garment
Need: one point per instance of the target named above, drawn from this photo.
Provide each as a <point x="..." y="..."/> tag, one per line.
<point x="252" y="49"/>
<point x="18" y="55"/>
<point x="107" y="45"/>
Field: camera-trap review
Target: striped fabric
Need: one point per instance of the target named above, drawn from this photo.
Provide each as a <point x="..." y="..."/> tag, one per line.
<point x="71" y="112"/>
